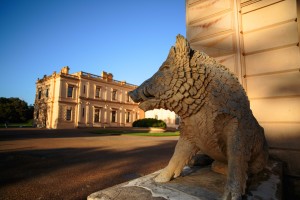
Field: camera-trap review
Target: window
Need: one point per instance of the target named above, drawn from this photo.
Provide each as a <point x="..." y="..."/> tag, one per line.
<point x="128" y="117"/>
<point x="168" y="120"/>
<point x="69" y="114"/>
<point x="70" y="90"/>
<point x="177" y="120"/>
<point x="82" y="114"/>
<point x="98" y="92"/>
<point x="114" y="95"/>
<point x="83" y="89"/>
<point x="113" y="116"/>
<point x="97" y="115"/>
<point x="47" y="92"/>
<point x="39" y="94"/>
<point x="127" y="98"/>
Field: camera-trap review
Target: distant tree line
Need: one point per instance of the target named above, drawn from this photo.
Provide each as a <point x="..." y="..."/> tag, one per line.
<point x="14" y="110"/>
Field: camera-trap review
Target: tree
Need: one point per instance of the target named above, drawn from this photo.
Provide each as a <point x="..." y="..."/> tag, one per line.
<point x="14" y="110"/>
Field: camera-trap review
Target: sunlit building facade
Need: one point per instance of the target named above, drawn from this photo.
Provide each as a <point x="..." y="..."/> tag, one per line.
<point x="169" y="117"/>
<point x="259" y="42"/>
<point x="82" y="99"/>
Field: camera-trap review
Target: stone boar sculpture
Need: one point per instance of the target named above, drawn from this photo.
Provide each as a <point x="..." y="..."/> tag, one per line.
<point x="216" y="118"/>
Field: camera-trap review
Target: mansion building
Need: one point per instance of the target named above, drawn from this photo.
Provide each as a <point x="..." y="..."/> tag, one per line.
<point x="82" y="99"/>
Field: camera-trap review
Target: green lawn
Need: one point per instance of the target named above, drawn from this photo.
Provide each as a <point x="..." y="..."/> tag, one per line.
<point x="13" y="125"/>
<point x="135" y="133"/>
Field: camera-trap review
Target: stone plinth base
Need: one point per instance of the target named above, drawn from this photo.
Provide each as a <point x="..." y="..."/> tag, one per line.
<point x="196" y="183"/>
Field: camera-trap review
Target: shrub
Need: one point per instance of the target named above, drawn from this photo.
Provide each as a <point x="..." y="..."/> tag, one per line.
<point x="149" y="122"/>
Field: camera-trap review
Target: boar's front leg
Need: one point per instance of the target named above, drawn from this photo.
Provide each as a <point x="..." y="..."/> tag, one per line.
<point x="184" y="150"/>
<point x="238" y="158"/>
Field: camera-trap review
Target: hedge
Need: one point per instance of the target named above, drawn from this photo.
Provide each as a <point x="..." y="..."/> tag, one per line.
<point x="149" y="122"/>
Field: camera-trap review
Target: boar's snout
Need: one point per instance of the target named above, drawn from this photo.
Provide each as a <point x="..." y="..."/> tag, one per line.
<point x="134" y="96"/>
<point x="141" y="93"/>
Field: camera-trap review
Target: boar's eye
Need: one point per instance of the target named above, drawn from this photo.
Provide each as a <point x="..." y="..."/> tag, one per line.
<point x="164" y="67"/>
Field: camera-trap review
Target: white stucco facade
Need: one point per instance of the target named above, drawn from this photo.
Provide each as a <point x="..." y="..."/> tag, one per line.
<point x="171" y="119"/>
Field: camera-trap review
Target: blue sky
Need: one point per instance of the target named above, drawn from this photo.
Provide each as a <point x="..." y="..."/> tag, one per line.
<point x="129" y="39"/>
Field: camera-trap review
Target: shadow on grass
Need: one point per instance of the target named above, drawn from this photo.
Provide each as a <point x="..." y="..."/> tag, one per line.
<point x="35" y="133"/>
<point x="136" y="132"/>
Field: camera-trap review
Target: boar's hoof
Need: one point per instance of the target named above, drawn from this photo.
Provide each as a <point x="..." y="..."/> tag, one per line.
<point x="163" y="177"/>
<point x="228" y="195"/>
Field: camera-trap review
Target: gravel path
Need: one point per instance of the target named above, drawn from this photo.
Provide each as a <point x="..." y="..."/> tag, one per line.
<point x="71" y="164"/>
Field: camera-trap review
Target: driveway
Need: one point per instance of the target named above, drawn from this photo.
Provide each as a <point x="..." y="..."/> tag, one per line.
<point x="71" y="164"/>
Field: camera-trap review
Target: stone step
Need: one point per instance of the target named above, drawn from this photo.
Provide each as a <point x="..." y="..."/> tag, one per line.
<point x="194" y="184"/>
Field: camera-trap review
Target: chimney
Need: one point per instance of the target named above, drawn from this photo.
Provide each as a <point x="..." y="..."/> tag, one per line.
<point x="65" y="70"/>
<point x="104" y="75"/>
<point x="110" y="77"/>
<point x="107" y="76"/>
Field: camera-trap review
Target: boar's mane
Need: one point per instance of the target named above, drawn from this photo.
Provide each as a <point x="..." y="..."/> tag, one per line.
<point x="197" y="79"/>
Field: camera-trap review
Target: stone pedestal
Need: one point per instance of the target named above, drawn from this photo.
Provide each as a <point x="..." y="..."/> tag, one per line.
<point x="195" y="183"/>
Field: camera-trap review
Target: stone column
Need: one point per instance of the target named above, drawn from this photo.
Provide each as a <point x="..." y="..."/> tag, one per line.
<point x="89" y="114"/>
<point x="121" y="116"/>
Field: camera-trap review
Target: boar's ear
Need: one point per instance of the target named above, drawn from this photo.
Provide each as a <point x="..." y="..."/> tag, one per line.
<point x="182" y="46"/>
<point x="172" y="52"/>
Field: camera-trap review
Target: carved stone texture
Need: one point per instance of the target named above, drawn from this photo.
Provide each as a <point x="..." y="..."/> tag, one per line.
<point x="215" y="112"/>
